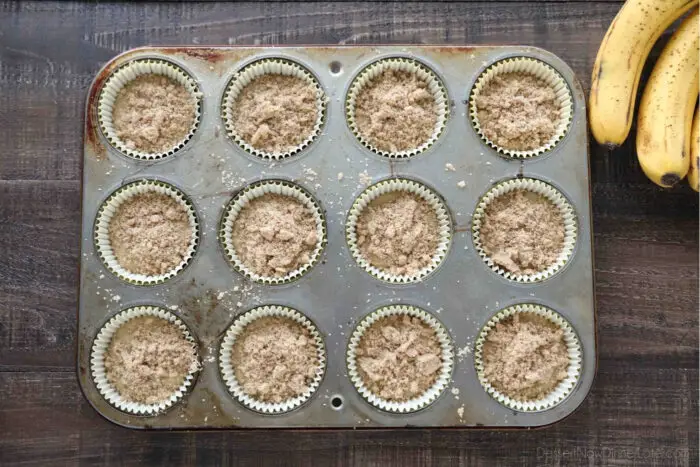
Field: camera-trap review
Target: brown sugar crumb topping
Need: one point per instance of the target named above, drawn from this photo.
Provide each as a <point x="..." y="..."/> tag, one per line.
<point x="275" y="359"/>
<point x="523" y="232"/>
<point x="153" y="113"/>
<point x="148" y="359"/>
<point x="274" y="235"/>
<point x="525" y="357"/>
<point x="150" y="234"/>
<point x="275" y="113"/>
<point x="398" y="233"/>
<point x="395" y="111"/>
<point x="518" y="111"/>
<point x="399" y="357"/>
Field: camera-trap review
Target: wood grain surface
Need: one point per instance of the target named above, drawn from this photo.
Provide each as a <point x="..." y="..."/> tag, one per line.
<point x="643" y="409"/>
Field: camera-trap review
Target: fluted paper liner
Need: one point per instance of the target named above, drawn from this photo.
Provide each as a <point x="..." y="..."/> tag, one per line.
<point x="97" y="362"/>
<point x="552" y="194"/>
<point x="108" y="210"/>
<point x="256" y="190"/>
<point x="432" y="393"/>
<point x="563" y="389"/>
<point x="409" y="186"/>
<point x="228" y="372"/>
<point x="271" y="66"/>
<point x="544" y="72"/>
<point x="127" y="73"/>
<point x="435" y="87"/>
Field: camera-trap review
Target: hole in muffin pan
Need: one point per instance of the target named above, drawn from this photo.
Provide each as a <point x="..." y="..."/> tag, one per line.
<point x="336" y="68"/>
<point x="335" y="169"/>
<point x="337" y="402"/>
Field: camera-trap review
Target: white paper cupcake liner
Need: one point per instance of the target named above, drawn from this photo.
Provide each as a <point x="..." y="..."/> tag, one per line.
<point x="539" y="70"/>
<point x="430" y="395"/>
<point x="108" y="210"/>
<point x="410" y="186"/>
<point x="228" y="372"/>
<point x="101" y="345"/>
<point x="122" y="77"/>
<point x="563" y="389"/>
<point x="435" y="87"/>
<point x="256" y="190"/>
<point x="271" y="66"/>
<point x="552" y="194"/>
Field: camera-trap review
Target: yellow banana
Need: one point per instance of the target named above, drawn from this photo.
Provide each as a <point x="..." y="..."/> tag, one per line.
<point x="666" y="108"/>
<point x="619" y="64"/>
<point x="694" y="152"/>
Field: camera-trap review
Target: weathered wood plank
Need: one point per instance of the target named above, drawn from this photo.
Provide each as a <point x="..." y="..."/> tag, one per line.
<point x="51" y="421"/>
<point x="39" y="241"/>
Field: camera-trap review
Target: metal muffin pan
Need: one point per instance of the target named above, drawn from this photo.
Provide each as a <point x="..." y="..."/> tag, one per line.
<point x="463" y="293"/>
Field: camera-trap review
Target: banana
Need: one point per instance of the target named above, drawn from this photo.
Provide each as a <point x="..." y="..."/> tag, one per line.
<point x="694" y="152"/>
<point x="666" y="108"/>
<point x="619" y="64"/>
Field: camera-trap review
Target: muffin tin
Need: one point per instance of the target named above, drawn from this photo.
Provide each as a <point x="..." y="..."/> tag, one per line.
<point x="463" y="293"/>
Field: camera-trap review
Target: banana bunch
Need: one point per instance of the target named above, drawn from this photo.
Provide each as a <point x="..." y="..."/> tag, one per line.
<point x="694" y="154"/>
<point x="665" y="118"/>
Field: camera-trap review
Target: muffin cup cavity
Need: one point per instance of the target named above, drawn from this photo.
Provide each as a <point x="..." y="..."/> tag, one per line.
<point x="101" y="345"/>
<point x="228" y="373"/>
<point x="550" y="193"/>
<point x="109" y="208"/>
<point x="573" y="346"/>
<point x="540" y="70"/>
<point x="435" y="87"/>
<point x="400" y="185"/>
<point x="271" y="66"/>
<point x="123" y="76"/>
<point x="243" y="199"/>
<point x="432" y="393"/>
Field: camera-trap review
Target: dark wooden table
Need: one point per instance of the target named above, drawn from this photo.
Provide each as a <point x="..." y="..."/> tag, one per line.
<point x="643" y="409"/>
